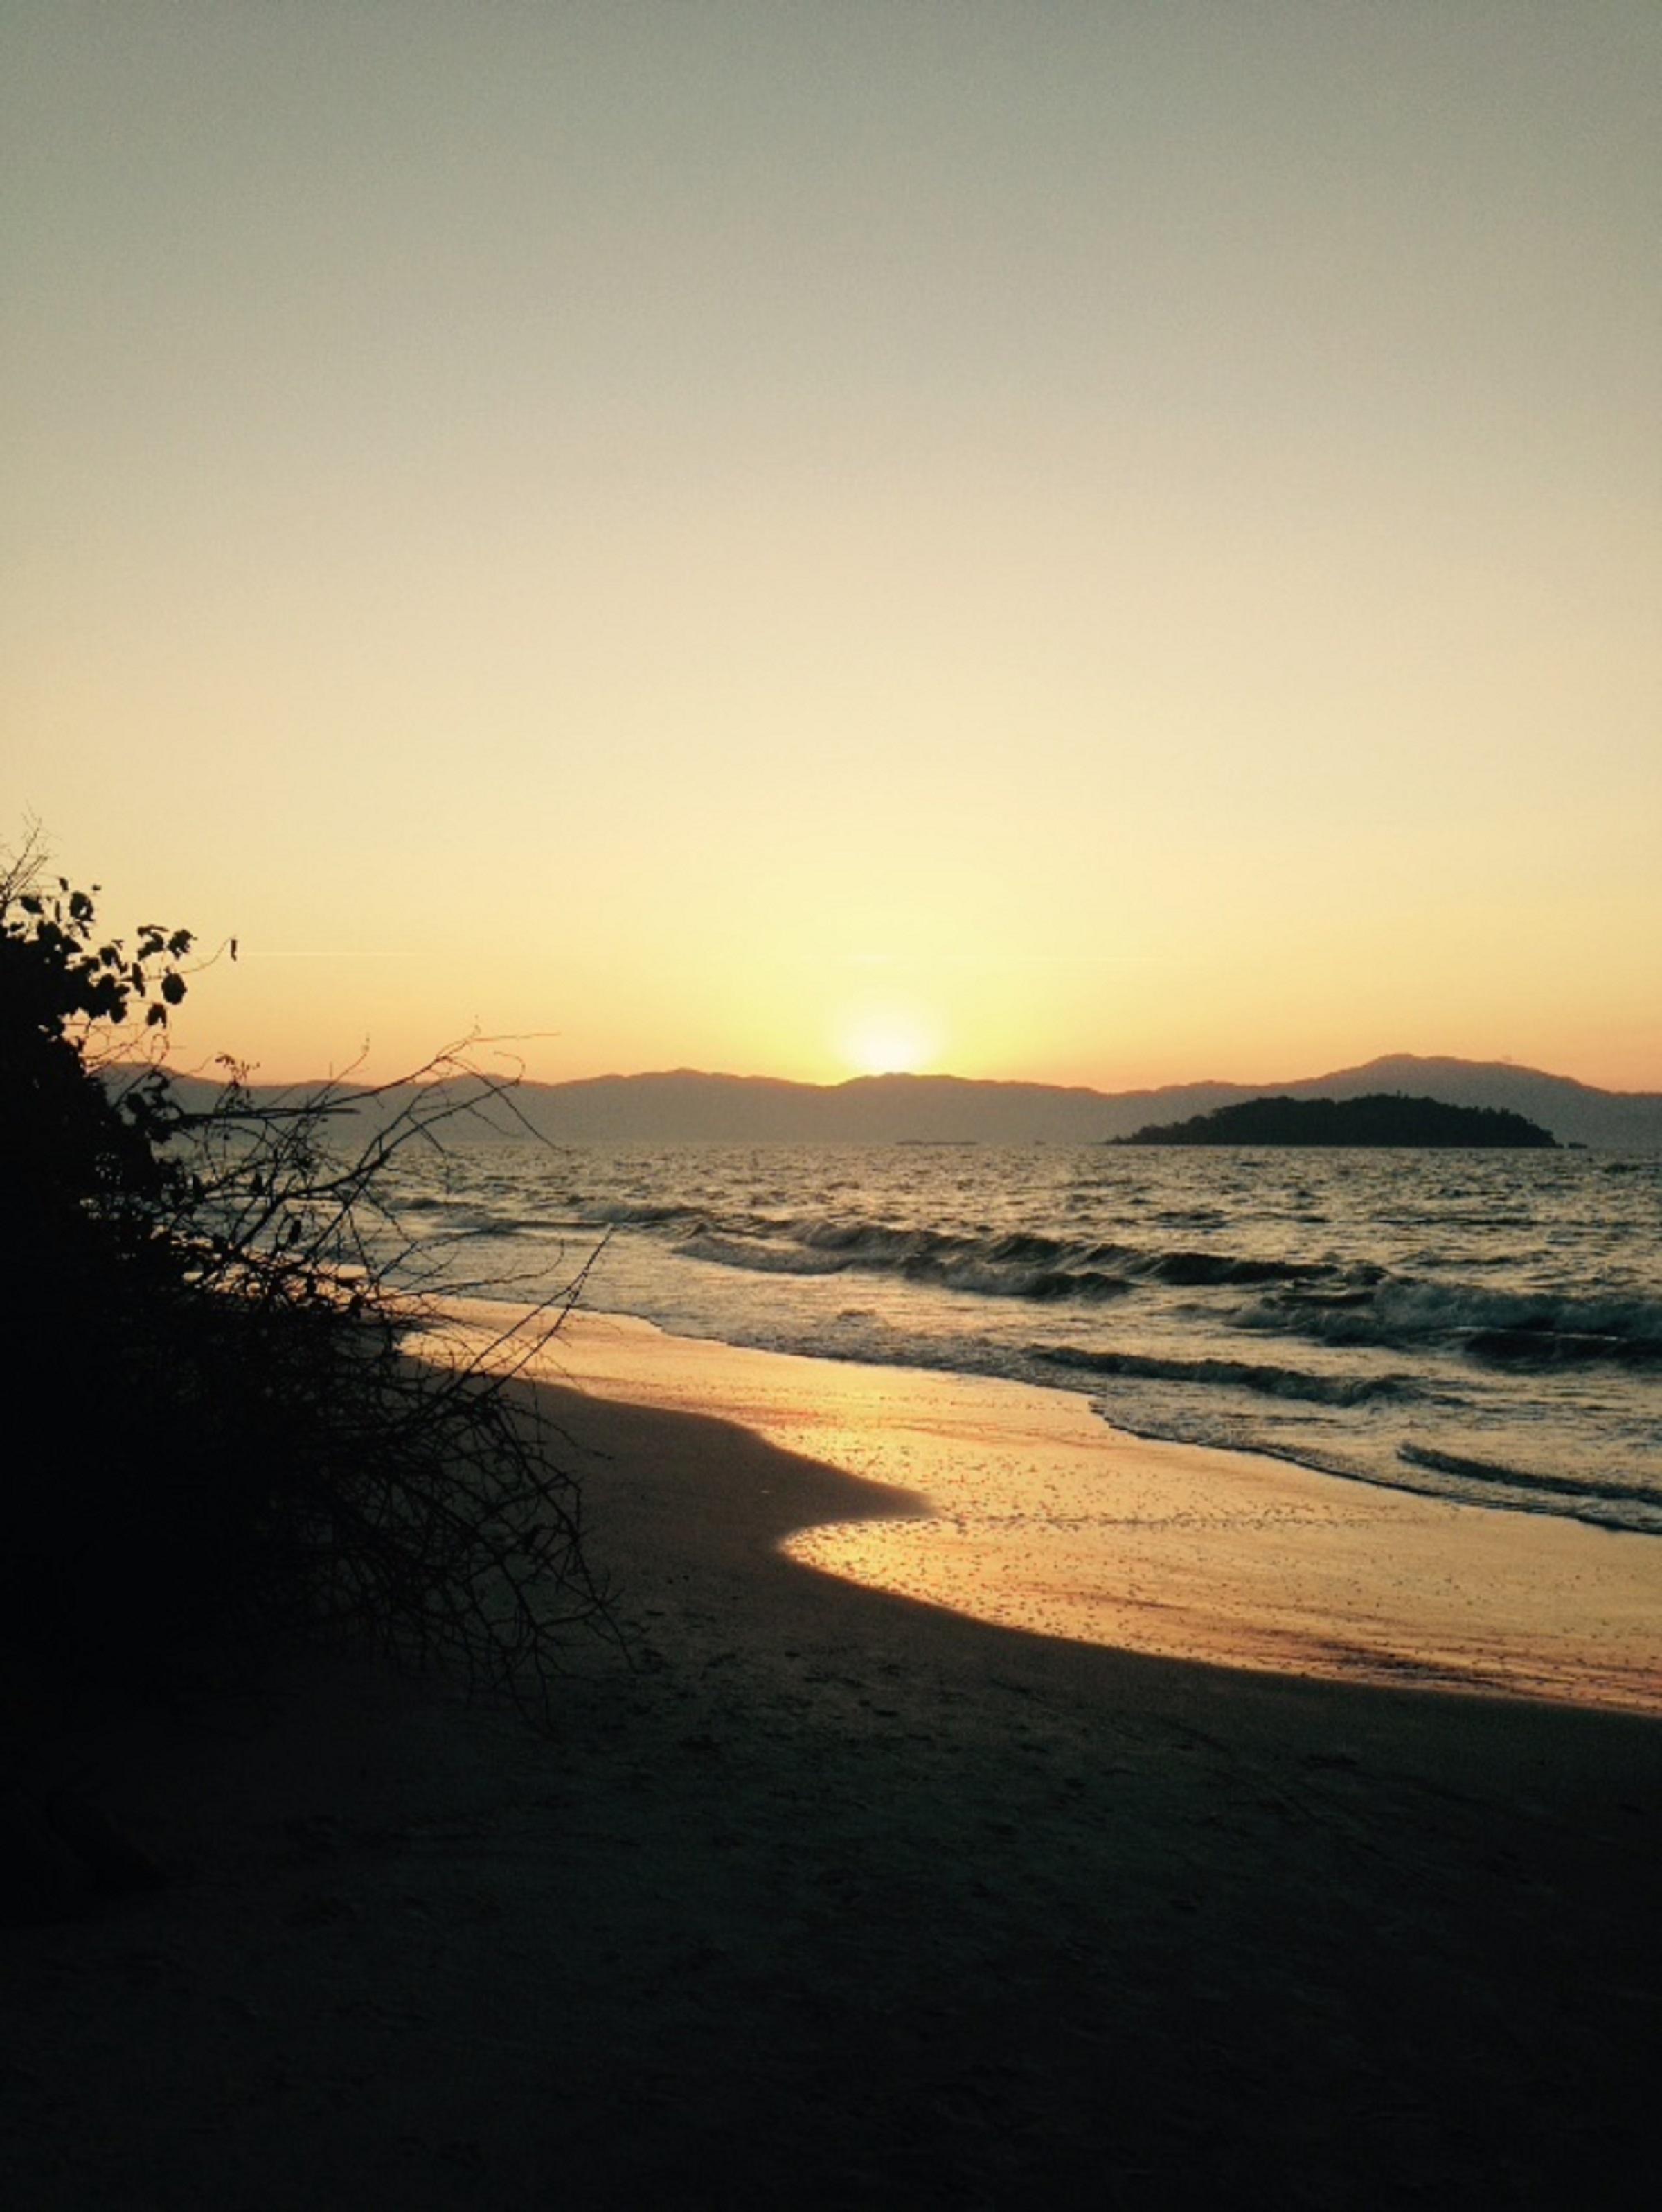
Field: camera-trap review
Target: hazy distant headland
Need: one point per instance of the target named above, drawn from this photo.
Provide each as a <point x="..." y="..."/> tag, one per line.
<point x="1378" y="1118"/>
<point x="688" y="1106"/>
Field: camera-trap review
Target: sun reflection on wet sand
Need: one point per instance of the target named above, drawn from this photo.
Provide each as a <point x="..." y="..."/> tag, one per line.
<point x="1041" y="1517"/>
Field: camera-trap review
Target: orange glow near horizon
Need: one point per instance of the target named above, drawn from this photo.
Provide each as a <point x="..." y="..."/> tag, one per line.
<point x="299" y="1017"/>
<point x="888" y="1039"/>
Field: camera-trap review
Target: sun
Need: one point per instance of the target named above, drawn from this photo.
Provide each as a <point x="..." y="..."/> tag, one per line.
<point x="887" y="1040"/>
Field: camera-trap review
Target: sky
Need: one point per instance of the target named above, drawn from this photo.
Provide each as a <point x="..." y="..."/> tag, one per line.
<point x="1109" y="544"/>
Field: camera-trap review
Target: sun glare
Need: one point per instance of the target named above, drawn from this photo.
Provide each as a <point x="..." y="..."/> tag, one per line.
<point x="890" y="1042"/>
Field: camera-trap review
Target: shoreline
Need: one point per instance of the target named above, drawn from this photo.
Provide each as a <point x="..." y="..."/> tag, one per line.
<point x="1019" y="1505"/>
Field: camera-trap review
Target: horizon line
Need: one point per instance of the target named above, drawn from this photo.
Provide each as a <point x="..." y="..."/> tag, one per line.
<point x="348" y="1081"/>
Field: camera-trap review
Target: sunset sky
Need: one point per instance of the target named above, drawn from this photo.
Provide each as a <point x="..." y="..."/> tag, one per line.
<point x="1110" y="543"/>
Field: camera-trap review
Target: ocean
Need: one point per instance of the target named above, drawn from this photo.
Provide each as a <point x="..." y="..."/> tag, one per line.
<point x="1479" y="1326"/>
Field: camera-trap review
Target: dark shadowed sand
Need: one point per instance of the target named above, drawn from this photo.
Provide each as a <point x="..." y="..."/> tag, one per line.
<point x="839" y="1897"/>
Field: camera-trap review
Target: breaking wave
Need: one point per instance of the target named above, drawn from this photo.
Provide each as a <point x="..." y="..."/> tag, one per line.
<point x="922" y="1256"/>
<point x="1605" y="1491"/>
<point x="1021" y="1264"/>
<point x="1237" y="1374"/>
<point x="1496" y="1327"/>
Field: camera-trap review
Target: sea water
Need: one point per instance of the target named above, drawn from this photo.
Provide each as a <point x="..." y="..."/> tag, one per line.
<point x="1483" y="1326"/>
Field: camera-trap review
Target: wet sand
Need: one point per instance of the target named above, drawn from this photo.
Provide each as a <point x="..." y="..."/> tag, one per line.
<point x="839" y="1897"/>
<point x="1021" y="1507"/>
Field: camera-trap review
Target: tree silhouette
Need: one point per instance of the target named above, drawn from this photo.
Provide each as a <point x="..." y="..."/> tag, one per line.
<point x="216" y="1425"/>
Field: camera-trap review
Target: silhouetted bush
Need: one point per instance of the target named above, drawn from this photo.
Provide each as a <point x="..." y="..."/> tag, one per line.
<point x="216" y="1427"/>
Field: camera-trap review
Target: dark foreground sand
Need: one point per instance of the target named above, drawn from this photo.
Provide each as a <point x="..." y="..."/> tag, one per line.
<point x="837" y="1897"/>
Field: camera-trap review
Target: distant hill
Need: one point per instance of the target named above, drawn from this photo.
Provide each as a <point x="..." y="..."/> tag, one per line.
<point x="1378" y="1118"/>
<point x="688" y="1106"/>
<point x="1576" y="1113"/>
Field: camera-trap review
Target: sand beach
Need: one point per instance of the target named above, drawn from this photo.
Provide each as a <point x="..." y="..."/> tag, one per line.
<point x="911" y="1858"/>
<point x="1021" y="1507"/>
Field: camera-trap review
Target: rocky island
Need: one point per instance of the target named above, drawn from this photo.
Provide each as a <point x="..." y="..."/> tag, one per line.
<point x="1381" y="1118"/>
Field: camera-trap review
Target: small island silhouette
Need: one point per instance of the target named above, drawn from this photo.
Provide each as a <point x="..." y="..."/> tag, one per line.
<point x="1381" y="1118"/>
